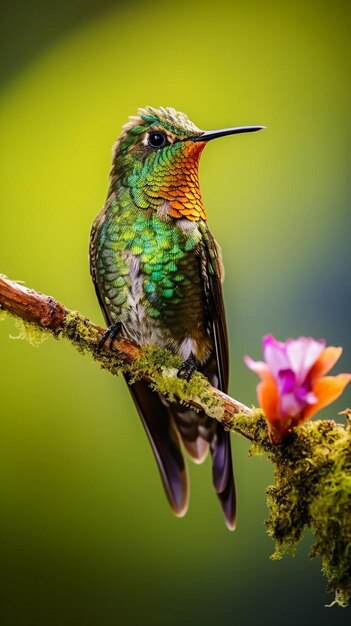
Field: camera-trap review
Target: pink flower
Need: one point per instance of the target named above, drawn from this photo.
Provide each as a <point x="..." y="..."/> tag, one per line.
<point x="293" y="386"/>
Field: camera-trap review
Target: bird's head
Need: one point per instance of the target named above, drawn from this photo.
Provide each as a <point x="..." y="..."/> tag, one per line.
<point x="157" y="157"/>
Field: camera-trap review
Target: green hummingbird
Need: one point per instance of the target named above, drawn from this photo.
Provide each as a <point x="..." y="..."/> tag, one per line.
<point x="158" y="274"/>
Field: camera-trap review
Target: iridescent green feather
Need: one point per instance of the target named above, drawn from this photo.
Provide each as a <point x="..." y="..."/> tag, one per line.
<point x="165" y="252"/>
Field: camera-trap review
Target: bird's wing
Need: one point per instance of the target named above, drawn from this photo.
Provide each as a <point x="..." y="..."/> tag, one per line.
<point x="217" y="369"/>
<point x="92" y="259"/>
<point x="212" y="272"/>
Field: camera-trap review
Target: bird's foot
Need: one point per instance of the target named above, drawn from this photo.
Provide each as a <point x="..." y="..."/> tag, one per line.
<point x="110" y="334"/>
<point x="187" y="369"/>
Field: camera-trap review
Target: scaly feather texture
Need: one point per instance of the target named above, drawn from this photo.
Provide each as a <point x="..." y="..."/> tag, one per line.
<point x="157" y="272"/>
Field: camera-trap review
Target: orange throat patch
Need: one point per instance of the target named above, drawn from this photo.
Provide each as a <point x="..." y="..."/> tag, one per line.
<point x="181" y="186"/>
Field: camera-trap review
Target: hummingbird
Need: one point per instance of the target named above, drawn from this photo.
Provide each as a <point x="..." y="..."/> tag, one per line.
<point x="158" y="272"/>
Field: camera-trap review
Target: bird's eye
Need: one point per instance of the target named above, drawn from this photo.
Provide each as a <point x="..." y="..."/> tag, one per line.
<point x="157" y="140"/>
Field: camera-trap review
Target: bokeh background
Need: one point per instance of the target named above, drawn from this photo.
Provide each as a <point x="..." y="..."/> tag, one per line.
<point x="87" y="537"/>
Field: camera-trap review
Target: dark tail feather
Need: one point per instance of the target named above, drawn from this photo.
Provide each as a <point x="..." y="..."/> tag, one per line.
<point x="165" y="444"/>
<point x="198" y="433"/>
<point x="189" y="423"/>
<point x="222" y="474"/>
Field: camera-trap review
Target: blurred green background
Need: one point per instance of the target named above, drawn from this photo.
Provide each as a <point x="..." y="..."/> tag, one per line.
<point x="87" y="537"/>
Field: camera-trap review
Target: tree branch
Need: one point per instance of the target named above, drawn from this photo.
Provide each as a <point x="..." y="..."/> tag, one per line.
<point x="156" y="366"/>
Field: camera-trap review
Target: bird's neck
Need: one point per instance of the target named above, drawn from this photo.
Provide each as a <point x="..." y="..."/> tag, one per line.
<point x="173" y="181"/>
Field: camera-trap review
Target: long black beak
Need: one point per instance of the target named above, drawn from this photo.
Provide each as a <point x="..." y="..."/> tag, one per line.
<point x="214" y="134"/>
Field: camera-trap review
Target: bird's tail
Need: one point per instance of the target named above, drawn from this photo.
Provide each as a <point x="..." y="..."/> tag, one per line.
<point x="199" y="434"/>
<point x="166" y="424"/>
<point x="165" y="443"/>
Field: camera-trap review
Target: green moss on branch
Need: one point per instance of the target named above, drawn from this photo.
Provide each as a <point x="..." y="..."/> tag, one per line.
<point x="312" y="490"/>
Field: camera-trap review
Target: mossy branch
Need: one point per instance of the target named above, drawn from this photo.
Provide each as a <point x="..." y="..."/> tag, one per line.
<point x="156" y="366"/>
<point x="312" y="469"/>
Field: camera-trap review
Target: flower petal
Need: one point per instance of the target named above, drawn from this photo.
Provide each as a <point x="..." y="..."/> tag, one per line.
<point x="269" y="340"/>
<point x="289" y="405"/>
<point x="260" y="367"/>
<point x="287" y="380"/>
<point x="275" y="354"/>
<point x="268" y="398"/>
<point x="302" y="354"/>
<point x="305" y="396"/>
<point x="325" y="362"/>
<point x="326" y="391"/>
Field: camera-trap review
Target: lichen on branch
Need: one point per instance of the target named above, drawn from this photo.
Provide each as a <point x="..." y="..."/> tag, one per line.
<point x="312" y="468"/>
<point x="312" y="490"/>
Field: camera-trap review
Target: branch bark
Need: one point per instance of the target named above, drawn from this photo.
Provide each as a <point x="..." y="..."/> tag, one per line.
<point x="157" y="367"/>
